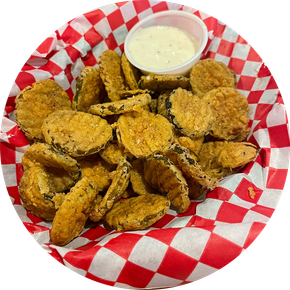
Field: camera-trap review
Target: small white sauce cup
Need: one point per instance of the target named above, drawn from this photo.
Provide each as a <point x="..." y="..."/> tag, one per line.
<point x="180" y="19"/>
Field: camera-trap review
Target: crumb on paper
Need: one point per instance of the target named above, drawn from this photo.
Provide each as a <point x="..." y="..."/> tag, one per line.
<point x="252" y="193"/>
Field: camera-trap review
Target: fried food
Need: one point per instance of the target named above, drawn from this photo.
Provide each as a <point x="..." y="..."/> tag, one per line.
<point x="186" y="162"/>
<point x="159" y="83"/>
<point x="131" y="73"/>
<point x="192" y="144"/>
<point x="42" y="154"/>
<point x="138" y="182"/>
<point x="209" y="74"/>
<point x="115" y="153"/>
<point x="144" y="133"/>
<point x="191" y="115"/>
<point x="76" y="133"/>
<point x="88" y="89"/>
<point x="117" y="188"/>
<point x="35" y="103"/>
<point x="112" y="74"/>
<point x="130" y="93"/>
<point x="119" y="107"/>
<point x="36" y="193"/>
<point x="74" y="211"/>
<point x="231" y="114"/>
<point x="97" y="169"/>
<point x="164" y="176"/>
<point x="161" y="108"/>
<point x="227" y="155"/>
<point x="137" y="213"/>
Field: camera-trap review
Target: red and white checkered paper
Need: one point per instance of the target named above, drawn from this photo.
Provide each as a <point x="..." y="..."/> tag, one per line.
<point x="180" y="248"/>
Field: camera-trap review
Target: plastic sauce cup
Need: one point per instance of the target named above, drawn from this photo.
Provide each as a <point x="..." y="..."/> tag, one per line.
<point x="182" y="20"/>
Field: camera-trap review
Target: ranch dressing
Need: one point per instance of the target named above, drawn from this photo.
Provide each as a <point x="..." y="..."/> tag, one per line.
<point x="161" y="47"/>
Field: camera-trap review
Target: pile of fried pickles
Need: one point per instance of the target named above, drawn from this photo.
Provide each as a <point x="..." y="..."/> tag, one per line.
<point x="128" y="146"/>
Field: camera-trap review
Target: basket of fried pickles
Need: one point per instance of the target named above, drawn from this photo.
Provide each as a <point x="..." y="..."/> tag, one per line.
<point x="128" y="146"/>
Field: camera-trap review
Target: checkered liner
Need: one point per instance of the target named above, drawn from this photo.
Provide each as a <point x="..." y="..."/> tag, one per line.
<point x="180" y="248"/>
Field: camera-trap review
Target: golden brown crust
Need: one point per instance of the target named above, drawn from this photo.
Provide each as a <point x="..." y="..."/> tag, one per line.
<point x="88" y="89"/>
<point x="191" y="115"/>
<point x="76" y="133"/>
<point x="35" y="103"/>
<point x="134" y="103"/>
<point x="137" y="213"/>
<point x="71" y="216"/>
<point x="231" y="113"/>
<point x="144" y="133"/>
<point x="112" y="74"/>
<point x="210" y="74"/>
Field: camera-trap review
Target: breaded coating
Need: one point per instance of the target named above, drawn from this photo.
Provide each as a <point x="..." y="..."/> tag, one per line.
<point x="182" y="158"/>
<point x="164" y="176"/>
<point x="36" y="193"/>
<point x="137" y="213"/>
<point x="130" y="93"/>
<point x="115" y="153"/>
<point x="119" y="107"/>
<point x="97" y="169"/>
<point x="191" y="115"/>
<point x="35" y="103"/>
<point x="235" y="154"/>
<point x="161" y="108"/>
<point x="74" y="211"/>
<point x="182" y="202"/>
<point x="231" y="114"/>
<point x="159" y="83"/>
<point x="42" y="154"/>
<point x="192" y="144"/>
<point x="76" y="133"/>
<point x="117" y="188"/>
<point x="131" y="73"/>
<point x="138" y="182"/>
<point x="194" y="189"/>
<point x="220" y="157"/>
<point x="112" y="74"/>
<point x="209" y="74"/>
<point x="144" y="133"/>
<point x="88" y="89"/>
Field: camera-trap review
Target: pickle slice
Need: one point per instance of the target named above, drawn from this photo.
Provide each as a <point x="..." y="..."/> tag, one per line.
<point x="164" y="176"/>
<point x="119" y="107"/>
<point x="159" y="83"/>
<point x="88" y="89"/>
<point x="209" y="74"/>
<point x="144" y="133"/>
<point x="182" y="158"/>
<point x="191" y="115"/>
<point x="114" y="193"/>
<point x="76" y="133"/>
<point x="137" y="213"/>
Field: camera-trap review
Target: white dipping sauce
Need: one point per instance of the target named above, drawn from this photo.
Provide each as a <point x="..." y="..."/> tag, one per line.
<point x="161" y="47"/>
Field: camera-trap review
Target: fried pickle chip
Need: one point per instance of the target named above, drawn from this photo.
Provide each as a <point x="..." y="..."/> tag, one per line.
<point x="130" y="93"/>
<point x="164" y="176"/>
<point x="42" y="154"/>
<point x="36" y="193"/>
<point x="138" y="182"/>
<point x="192" y="144"/>
<point x="221" y="157"/>
<point x="231" y="114"/>
<point x="159" y="83"/>
<point x="161" y="108"/>
<point x="88" y="89"/>
<point x="191" y="115"/>
<point x="117" y="188"/>
<point x="115" y="153"/>
<point x="210" y="74"/>
<point x="137" y="213"/>
<point x="35" y="103"/>
<point x="76" y="133"/>
<point x="182" y="158"/>
<point x="131" y="73"/>
<point x="143" y="134"/>
<point x="119" y="107"/>
<point x="112" y="74"/>
<point x="236" y="154"/>
<point x="97" y="169"/>
<point x="74" y="211"/>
